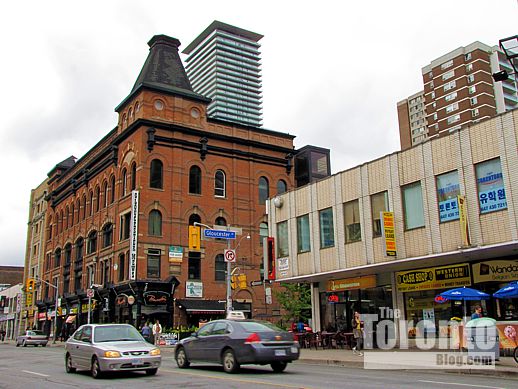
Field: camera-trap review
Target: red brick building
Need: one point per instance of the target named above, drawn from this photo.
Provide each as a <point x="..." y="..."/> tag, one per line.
<point x="185" y="168"/>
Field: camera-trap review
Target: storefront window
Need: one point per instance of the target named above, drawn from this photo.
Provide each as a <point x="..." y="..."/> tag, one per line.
<point x="379" y="203"/>
<point x="447" y="191"/>
<point x="490" y="186"/>
<point x="413" y="206"/>
<point x="303" y="244"/>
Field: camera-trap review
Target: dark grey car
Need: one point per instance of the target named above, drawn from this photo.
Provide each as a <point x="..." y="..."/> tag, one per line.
<point x="232" y="343"/>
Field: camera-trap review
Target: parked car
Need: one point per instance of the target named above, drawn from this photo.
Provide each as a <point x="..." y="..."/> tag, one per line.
<point x="103" y="348"/>
<point x="232" y="343"/>
<point x="32" y="338"/>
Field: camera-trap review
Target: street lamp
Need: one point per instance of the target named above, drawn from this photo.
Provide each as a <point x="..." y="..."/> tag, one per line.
<point x="55" y="307"/>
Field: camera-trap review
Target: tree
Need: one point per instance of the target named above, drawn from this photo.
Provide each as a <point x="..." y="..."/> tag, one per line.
<point x="295" y="301"/>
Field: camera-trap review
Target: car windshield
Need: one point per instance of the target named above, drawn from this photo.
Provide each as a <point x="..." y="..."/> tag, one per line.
<point x="116" y="333"/>
<point x="258" y="326"/>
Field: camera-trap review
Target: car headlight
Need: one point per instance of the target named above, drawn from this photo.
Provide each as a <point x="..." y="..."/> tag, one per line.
<point x="155" y="351"/>
<point x="112" y="354"/>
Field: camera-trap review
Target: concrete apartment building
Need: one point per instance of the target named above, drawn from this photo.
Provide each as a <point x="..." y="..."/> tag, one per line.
<point x="458" y="90"/>
<point x="223" y="64"/>
<point x="118" y="218"/>
<point x="331" y="233"/>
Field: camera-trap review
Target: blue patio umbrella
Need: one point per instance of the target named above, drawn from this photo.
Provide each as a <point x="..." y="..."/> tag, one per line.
<point x="508" y="291"/>
<point x="464" y="294"/>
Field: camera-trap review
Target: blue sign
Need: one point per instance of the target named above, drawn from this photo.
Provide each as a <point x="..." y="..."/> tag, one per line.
<point x="219" y="234"/>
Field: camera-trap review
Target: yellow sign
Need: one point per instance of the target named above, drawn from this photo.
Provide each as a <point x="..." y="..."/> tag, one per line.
<point x="463" y="219"/>
<point x="351" y="283"/>
<point x="389" y="233"/>
<point x="433" y="278"/>
<point x="28" y="299"/>
<point x="194" y="238"/>
<point x="498" y="270"/>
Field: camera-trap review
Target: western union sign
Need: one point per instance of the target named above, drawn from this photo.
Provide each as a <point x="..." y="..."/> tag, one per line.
<point x="433" y="278"/>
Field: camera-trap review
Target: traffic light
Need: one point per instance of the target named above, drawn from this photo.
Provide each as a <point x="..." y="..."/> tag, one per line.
<point x="31" y="285"/>
<point x="233" y="282"/>
<point x="194" y="238"/>
<point x="242" y="281"/>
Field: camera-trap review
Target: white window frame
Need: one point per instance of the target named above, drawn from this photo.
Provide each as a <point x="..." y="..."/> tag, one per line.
<point x="453" y="119"/>
<point x="452" y="107"/>
<point x="448" y="75"/>
<point x="447" y="65"/>
<point x="449" y="85"/>
<point x="451" y="96"/>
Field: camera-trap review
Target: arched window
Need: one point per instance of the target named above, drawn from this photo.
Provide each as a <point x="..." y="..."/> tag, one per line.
<point x="72" y="213"/>
<point x="264" y="190"/>
<point x="155" y="223"/>
<point x="68" y="254"/>
<point x="78" y="211"/>
<point x="66" y="218"/>
<point x="92" y="242"/>
<point x="61" y="221"/>
<point x="281" y="187"/>
<point x="195" y="180"/>
<point x="97" y="199"/>
<point x="156" y="174"/>
<point x="220" y="221"/>
<point x="220" y="268"/>
<point x="194" y="218"/>
<point x="83" y="212"/>
<point x="124" y="176"/>
<point x="122" y="267"/>
<point x="105" y="195"/>
<point x="133" y="176"/>
<point x="107" y="235"/>
<point x="219" y="183"/>
<point x="263" y="232"/>
<point x="79" y="249"/>
<point x="50" y="226"/>
<point x="57" y="258"/>
<point x="91" y="205"/>
<point x="112" y="189"/>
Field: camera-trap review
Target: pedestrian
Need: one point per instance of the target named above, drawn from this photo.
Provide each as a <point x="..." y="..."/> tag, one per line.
<point x="2" y="334"/>
<point x="146" y="332"/>
<point x="478" y="312"/>
<point x="157" y="330"/>
<point x="300" y="326"/>
<point x="357" y="325"/>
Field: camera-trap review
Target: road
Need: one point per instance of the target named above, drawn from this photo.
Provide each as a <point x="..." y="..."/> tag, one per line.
<point x="31" y="367"/>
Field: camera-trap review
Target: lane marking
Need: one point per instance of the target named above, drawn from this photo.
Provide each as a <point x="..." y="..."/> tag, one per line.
<point x="33" y="372"/>
<point x="232" y="379"/>
<point x="457" y="384"/>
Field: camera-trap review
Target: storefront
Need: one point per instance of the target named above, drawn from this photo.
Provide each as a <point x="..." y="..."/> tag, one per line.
<point x="344" y="296"/>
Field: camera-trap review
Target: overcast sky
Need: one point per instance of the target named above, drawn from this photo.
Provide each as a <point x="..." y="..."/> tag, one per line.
<point x="332" y="72"/>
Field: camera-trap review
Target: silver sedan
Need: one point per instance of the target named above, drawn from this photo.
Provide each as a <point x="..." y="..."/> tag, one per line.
<point x="103" y="348"/>
<point x="32" y="338"/>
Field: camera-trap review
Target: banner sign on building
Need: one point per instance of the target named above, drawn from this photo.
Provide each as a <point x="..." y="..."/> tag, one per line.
<point x="193" y="289"/>
<point x="463" y="219"/>
<point x="490" y="185"/>
<point x="447" y="191"/>
<point x="351" y="283"/>
<point x="133" y="235"/>
<point x="175" y="253"/>
<point x="433" y="278"/>
<point x="389" y="233"/>
<point x="497" y="270"/>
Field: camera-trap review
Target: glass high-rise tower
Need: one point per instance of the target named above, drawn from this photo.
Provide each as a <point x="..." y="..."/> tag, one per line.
<point x="223" y="64"/>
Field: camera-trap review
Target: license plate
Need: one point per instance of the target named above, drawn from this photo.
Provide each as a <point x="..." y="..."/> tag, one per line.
<point x="137" y="362"/>
<point x="280" y="353"/>
<point x="294" y="350"/>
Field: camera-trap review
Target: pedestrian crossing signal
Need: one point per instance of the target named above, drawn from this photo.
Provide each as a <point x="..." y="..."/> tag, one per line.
<point x="194" y="238"/>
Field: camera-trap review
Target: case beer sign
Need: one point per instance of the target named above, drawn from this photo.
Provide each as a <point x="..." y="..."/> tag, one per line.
<point x="389" y="233"/>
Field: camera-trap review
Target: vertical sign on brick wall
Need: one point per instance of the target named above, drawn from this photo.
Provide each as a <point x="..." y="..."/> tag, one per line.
<point x="389" y="234"/>
<point x="463" y="218"/>
<point x="133" y="235"/>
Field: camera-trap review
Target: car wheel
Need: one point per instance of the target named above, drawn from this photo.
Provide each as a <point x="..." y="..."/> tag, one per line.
<point x="151" y="371"/>
<point x="95" y="370"/>
<point x="181" y="359"/>
<point x="17" y="344"/>
<point x="230" y="364"/>
<point x="279" y="367"/>
<point x="44" y="345"/>
<point x="24" y="343"/>
<point x="68" y="364"/>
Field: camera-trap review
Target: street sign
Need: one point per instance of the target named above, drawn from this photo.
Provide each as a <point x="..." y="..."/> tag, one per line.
<point x="256" y="283"/>
<point x="230" y="255"/>
<point x="219" y="234"/>
<point x="89" y="293"/>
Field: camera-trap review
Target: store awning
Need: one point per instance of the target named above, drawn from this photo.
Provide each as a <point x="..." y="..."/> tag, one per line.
<point x="209" y="306"/>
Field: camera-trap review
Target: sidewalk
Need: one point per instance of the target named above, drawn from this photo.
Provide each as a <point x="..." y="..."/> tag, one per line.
<point x="506" y="366"/>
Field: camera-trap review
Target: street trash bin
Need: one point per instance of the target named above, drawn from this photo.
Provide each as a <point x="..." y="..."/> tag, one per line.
<point x="482" y="339"/>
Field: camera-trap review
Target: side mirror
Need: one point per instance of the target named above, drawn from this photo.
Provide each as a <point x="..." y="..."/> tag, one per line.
<point x="194" y="334"/>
